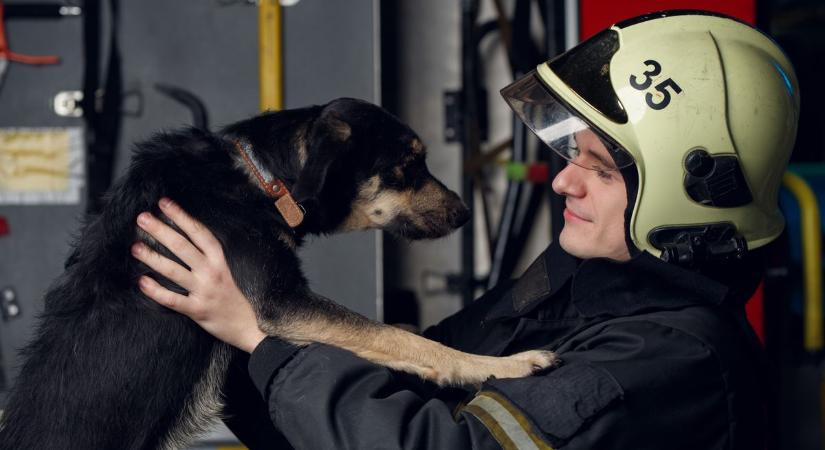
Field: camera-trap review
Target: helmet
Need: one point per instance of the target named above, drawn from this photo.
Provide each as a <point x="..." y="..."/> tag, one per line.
<point x="704" y="106"/>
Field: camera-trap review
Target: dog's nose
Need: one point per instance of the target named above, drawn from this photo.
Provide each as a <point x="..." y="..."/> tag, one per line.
<point x="459" y="215"/>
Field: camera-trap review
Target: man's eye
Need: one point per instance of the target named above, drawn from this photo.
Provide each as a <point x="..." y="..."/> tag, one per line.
<point x="602" y="173"/>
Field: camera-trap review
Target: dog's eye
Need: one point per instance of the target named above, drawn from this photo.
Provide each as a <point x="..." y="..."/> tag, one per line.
<point x="393" y="178"/>
<point x="417" y="147"/>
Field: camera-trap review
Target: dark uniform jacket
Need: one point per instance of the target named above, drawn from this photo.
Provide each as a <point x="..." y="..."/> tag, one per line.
<point x="653" y="357"/>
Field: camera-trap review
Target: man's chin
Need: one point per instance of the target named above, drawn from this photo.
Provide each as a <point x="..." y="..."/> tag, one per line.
<point x="576" y="245"/>
<point x="583" y="246"/>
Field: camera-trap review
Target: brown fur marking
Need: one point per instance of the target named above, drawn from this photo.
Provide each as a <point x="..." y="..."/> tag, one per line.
<point x="375" y="207"/>
<point x="399" y="174"/>
<point x="417" y="146"/>
<point x="287" y="239"/>
<point x="299" y="144"/>
<point x="341" y="129"/>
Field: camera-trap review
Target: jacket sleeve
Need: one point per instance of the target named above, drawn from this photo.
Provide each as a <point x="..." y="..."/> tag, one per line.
<point x="324" y="397"/>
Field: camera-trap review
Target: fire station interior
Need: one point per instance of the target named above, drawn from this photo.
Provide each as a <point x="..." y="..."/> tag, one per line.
<point x="100" y="75"/>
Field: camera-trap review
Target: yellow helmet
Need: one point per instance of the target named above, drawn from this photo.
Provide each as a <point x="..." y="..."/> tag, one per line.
<point x="704" y="106"/>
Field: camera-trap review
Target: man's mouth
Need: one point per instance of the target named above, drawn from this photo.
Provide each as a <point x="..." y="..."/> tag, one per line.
<point x="570" y="215"/>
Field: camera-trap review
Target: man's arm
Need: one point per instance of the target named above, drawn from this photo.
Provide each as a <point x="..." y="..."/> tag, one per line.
<point x="632" y="384"/>
<point x="325" y="397"/>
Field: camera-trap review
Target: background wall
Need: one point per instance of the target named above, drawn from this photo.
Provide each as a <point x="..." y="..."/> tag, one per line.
<point x="332" y="49"/>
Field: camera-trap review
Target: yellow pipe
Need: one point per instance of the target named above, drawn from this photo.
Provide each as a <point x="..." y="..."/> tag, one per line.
<point x="811" y="262"/>
<point x="270" y="55"/>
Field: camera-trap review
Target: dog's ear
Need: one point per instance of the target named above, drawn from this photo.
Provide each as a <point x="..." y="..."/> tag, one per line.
<point x="328" y="140"/>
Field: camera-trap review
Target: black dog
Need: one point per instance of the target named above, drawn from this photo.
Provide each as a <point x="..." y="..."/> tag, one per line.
<point x="109" y="369"/>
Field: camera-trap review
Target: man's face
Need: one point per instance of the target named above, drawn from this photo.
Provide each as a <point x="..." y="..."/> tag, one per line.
<point x="595" y="203"/>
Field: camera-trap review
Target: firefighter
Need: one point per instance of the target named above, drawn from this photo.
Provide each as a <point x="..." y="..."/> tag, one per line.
<point x="677" y="127"/>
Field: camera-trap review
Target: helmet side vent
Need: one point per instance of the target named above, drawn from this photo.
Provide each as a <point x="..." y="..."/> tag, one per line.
<point x="714" y="180"/>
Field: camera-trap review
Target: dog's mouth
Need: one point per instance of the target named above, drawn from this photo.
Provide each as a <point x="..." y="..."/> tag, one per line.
<point x="407" y="230"/>
<point x="427" y="225"/>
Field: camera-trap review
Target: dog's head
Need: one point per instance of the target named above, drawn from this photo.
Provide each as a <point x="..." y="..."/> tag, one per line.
<point x="358" y="167"/>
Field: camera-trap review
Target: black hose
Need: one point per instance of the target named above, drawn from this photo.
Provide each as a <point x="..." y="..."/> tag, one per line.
<point x="200" y="118"/>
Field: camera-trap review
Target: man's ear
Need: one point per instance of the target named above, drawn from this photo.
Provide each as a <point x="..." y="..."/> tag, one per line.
<point x="327" y="142"/>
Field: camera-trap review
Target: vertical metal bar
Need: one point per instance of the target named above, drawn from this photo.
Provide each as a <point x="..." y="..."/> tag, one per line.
<point x="512" y="196"/>
<point x="518" y="216"/>
<point x="555" y="44"/>
<point x="470" y="140"/>
<point x="814" y="336"/>
<point x="571" y="23"/>
<point x="377" y="89"/>
<point x="270" y="55"/>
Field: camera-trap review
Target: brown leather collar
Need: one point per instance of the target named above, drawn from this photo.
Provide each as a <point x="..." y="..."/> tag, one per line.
<point x="290" y="210"/>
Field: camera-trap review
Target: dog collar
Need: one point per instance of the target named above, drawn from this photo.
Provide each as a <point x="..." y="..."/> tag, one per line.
<point x="290" y="210"/>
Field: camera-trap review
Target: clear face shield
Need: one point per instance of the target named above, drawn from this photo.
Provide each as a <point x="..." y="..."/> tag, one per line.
<point x="562" y="129"/>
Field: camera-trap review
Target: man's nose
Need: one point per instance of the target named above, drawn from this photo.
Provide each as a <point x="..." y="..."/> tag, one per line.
<point x="569" y="181"/>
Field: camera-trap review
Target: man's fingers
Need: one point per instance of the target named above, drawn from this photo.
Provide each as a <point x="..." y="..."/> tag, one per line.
<point x="165" y="297"/>
<point x="171" y="239"/>
<point x="196" y="231"/>
<point x="163" y="265"/>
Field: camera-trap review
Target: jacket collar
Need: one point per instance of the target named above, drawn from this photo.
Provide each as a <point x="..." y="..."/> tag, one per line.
<point x="604" y="287"/>
<point x="543" y="279"/>
<point x="645" y="283"/>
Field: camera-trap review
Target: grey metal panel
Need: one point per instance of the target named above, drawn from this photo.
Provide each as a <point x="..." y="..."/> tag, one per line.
<point x="209" y="50"/>
<point x="33" y="254"/>
<point x="212" y="51"/>
<point x="172" y="42"/>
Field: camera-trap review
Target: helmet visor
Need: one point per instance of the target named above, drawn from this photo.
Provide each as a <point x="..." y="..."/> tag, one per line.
<point x="561" y="128"/>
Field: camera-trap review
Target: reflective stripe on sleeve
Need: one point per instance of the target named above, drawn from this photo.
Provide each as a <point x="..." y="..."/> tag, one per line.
<point x="505" y="422"/>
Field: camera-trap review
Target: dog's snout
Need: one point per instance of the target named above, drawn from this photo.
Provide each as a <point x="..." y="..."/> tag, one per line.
<point x="434" y="211"/>
<point x="457" y="212"/>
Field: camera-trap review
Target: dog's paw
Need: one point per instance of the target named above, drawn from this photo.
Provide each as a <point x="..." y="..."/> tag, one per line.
<point x="537" y="359"/>
<point x="474" y="369"/>
<point x="523" y="364"/>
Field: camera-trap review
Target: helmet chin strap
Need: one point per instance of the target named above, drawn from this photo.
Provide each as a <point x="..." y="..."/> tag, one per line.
<point x="700" y="244"/>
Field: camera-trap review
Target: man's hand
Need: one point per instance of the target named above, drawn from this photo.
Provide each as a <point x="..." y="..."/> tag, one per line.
<point x="214" y="301"/>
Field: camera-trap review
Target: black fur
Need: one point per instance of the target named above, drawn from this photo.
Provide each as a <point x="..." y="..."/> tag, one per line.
<point x="110" y="369"/>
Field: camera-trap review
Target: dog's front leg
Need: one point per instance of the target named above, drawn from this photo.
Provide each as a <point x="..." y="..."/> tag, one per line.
<point x="313" y="318"/>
